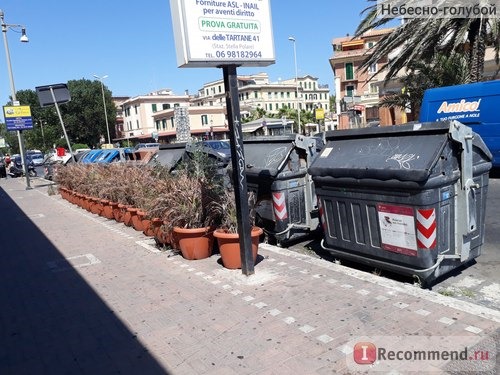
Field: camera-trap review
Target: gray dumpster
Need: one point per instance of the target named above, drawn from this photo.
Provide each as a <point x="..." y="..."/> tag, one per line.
<point x="410" y="199"/>
<point x="170" y="155"/>
<point x="276" y="170"/>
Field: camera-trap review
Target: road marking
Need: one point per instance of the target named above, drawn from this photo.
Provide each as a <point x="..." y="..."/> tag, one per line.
<point x="148" y="244"/>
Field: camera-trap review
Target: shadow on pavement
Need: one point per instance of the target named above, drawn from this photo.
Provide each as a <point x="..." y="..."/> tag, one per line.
<point x="51" y="320"/>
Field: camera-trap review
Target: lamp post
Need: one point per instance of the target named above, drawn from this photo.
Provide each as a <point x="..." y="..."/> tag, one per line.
<point x="292" y="39"/>
<point x="23" y="39"/>
<point x="104" y="102"/>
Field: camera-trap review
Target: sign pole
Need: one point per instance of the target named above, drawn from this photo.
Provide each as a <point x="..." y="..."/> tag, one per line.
<point x="62" y="123"/>
<point x="238" y="163"/>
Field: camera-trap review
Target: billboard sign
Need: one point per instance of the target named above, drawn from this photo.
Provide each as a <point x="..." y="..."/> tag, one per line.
<point x="215" y="33"/>
<point x="18" y="117"/>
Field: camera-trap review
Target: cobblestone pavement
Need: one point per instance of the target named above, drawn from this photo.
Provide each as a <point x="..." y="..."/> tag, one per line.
<point x="86" y="295"/>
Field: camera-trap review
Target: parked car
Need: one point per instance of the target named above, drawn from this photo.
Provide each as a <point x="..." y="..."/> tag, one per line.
<point x="217" y="149"/>
<point x="112" y="155"/>
<point x="90" y="156"/>
<point x="37" y="158"/>
<point x="146" y="145"/>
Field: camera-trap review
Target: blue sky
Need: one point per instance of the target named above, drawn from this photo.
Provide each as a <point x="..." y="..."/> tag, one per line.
<point x="133" y="43"/>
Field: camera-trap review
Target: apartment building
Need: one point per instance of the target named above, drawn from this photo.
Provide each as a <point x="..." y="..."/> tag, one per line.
<point x="256" y="91"/>
<point x="356" y="90"/>
<point x="137" y="113"/>
<point x="157" y="114"/>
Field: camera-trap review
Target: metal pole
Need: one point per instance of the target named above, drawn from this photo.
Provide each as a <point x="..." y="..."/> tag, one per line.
<point x="14" y="99"/>
<point x="62" y="124"/>
<point x="238" y="163"/>
<point x="292" y="39"/>
<point x="104" y="103"/>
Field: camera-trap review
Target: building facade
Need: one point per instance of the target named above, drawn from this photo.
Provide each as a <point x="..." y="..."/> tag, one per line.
<point x="356" y="90"/>
<point x="155" y="116"/>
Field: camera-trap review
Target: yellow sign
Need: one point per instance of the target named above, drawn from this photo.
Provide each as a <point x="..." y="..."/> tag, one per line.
<point x="320" y="113"/>
<point x="17" y="111"/>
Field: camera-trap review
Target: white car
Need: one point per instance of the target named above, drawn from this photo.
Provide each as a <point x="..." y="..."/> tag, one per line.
<point x="37" y="158"/>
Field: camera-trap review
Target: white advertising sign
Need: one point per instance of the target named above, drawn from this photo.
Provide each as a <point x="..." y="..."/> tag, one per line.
<point x="397" y="229"/>
<point x="215" y="33"/>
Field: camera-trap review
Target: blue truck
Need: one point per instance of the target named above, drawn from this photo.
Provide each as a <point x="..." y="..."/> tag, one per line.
<point x="476" y="105"/>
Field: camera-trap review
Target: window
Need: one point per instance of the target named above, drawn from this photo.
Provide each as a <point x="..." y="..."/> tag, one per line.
<point x="153" y="107"/>
<point x="204" y="119"/>
<point x="270" y="95"/>
<point x="137" y="124"/>
<point x="372" y="68"/>
<point x="349" y="71"/>
<point x="373" y="88"/>
<point x="282" y="95"/>
<point x="256" y="94"/>
<point x="166" y="106"/>
<point x="157" y="124"/>
<point x="349" y="90"/>
<point x="371" y="44"/>
<point x="164" y="124"/>
<point x="288" y="95"/>
<point x="135" y="108"/>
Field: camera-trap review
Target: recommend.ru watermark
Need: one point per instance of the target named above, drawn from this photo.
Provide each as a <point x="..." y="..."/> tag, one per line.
<point x="422" y="353"/>
<point x="438" y="8"/>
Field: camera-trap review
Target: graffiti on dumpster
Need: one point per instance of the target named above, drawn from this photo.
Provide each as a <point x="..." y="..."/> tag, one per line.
<point x="403" y="160"/>
<point x="275" y="156"/>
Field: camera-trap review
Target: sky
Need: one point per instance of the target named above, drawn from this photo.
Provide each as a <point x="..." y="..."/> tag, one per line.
<point x="133" y="44"/>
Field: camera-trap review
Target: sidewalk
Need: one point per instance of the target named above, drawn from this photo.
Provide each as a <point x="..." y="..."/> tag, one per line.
<point x="85" y="295"/>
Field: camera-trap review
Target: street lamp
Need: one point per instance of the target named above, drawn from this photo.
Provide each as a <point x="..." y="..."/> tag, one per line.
<point x="104" y="102"/>
<point x="292" y="39"/>
<point x="23" y="39"/>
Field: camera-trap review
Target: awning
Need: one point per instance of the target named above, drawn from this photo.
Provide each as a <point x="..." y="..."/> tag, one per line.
<point x="250" y="128"/>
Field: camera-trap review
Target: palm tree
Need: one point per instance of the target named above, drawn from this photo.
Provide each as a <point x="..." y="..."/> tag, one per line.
<point x="446" y="70"/>
<point x="421" y="39"/>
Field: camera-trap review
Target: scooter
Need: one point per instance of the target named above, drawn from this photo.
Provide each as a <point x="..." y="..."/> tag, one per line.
<point x="16" y="169"/>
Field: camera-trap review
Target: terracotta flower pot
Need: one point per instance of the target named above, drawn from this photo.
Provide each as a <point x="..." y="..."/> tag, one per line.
<point x="114" y="209"/>
<point x="107" y="209"/>
<point x="129" y="214"/>
<point x="229" y="246"/>
<point x="95" y="205"/>
<point x="119" y="213"/>
<point x="148" y="228"/>
<point x="194" y="243"/>
<point x="137" y="220"/>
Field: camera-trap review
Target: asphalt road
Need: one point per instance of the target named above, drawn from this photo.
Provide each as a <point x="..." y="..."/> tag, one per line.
<point x="477" y="281"/>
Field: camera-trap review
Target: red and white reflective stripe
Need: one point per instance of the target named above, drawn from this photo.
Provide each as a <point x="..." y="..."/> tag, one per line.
<point x="321" y="214"/>
<point x="426" y="228"/>
<point x="279" y="205"/>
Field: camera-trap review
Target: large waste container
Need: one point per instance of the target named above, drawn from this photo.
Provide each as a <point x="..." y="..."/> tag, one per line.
<point x="409" y="199"/>
<point x="276" y="170"/>
<point x="170" y="155"/>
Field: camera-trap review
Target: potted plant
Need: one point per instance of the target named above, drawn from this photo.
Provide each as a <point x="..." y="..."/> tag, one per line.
<point x="227" y="235"/>
<point x="192" y="216"/>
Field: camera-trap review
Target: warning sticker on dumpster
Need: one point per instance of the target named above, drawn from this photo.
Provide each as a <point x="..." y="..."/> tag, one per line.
<point x="397" y="229"/>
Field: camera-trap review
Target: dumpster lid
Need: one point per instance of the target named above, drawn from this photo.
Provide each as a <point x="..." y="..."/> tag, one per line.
<point x="170" y="154"/>
<point x="265" y="155"/>
<point x="402" y="152"/>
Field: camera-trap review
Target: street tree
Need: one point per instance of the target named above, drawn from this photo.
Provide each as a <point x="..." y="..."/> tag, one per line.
<point x="445" y="70"/>
<point x="83" y="117"/>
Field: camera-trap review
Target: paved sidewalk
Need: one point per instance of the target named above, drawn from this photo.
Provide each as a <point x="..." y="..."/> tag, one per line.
<point x="85" y="295"/>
